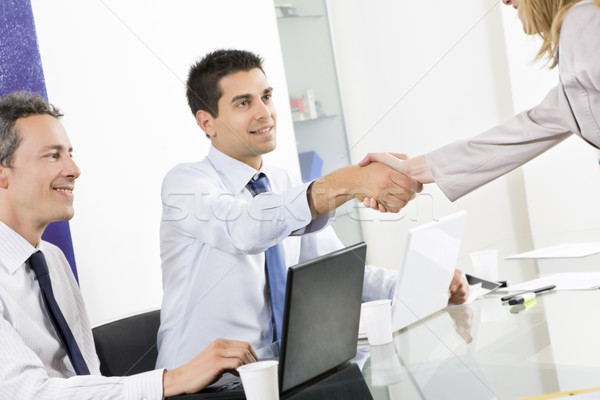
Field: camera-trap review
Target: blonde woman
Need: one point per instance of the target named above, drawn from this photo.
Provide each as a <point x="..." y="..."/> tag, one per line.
<point x="570" y="30"/>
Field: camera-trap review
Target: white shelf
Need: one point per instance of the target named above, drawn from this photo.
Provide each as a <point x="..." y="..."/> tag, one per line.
<point x="315" y="119"/>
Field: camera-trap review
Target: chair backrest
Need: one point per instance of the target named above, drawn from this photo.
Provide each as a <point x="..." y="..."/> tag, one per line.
<point x="128" y="346"/>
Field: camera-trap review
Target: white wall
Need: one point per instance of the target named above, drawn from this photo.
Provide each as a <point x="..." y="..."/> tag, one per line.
<point x="117" y="69"/>
<point x="414" y="76"/>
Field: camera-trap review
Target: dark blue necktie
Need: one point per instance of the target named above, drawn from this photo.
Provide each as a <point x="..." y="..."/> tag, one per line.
<point x="275" y="265"/>
<point x="37" y="261"/>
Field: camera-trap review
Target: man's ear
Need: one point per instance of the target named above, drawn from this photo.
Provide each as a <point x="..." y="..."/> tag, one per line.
<point x="206" y="122"/>
<point x="3" y="177"/>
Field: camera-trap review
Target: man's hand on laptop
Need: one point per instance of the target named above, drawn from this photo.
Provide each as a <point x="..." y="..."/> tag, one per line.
<point x="219" y="357"/>
<point x="459" y="288"/>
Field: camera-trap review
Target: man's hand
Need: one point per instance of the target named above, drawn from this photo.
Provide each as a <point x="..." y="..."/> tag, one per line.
<point x="459" y="288"/>
<point x="415" y="168"/>
<point x="463" y="321"/>
<point x="391" y="189"/>
<point x="219" y="357"/>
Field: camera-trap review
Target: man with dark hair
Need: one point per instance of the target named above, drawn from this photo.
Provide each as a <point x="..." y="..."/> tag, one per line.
<point x="205" y="75"/>
<point x="45" y="336"/>
<point x="225" y="243"/>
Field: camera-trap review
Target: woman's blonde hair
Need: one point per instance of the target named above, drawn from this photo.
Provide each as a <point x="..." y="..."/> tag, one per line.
<point x="545" y="18"/>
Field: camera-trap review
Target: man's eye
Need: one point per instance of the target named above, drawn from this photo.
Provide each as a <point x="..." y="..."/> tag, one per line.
<point x="243" y="103"/>
<point x="268" y="97"/>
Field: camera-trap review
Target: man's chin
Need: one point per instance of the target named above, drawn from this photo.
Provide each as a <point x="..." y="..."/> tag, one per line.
<point x="270" y="146"/>
<point x="64" y="216"/>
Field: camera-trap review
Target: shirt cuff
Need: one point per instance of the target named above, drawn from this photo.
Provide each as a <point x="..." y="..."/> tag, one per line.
<point x="296" y="207"/>
<point x="299" y="207"/>
<point x="145" y="386"/>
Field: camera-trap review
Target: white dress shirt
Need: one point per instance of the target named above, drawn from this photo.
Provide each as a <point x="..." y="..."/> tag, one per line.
<point x="213" y="237"/>
<point x="573" y="106"/>
<point x="33" y="364"/>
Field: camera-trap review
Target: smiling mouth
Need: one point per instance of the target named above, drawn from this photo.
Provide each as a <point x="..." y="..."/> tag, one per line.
<point x="64" y="190"/>
<point x="263" y="130"/>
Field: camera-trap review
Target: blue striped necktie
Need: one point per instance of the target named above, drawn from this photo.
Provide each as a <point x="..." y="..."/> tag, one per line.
<point x="275" y="265"/>
<point x="37" y="262"/>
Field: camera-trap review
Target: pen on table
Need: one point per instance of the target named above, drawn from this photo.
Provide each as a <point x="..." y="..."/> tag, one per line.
<point x="538" y="290"/>
<point x="524" y="298"/>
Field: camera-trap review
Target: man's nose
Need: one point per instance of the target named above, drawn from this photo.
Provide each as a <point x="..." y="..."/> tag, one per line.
<point x="71" y="169"/>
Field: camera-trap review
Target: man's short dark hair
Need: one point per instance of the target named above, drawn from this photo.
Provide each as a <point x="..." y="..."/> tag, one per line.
<point x="203" y="89"/>
<point x="12" y="107"/>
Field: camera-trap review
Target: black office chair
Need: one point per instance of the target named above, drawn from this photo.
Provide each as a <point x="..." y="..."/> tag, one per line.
<point x="128" y="346"/>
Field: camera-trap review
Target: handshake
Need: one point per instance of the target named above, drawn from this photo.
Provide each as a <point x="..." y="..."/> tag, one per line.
<point x="381" y="181"/>
<point x="415" y="169"/>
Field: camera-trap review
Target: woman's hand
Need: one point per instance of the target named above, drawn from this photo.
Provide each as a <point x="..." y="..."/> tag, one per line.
<point x="415" y="168"/>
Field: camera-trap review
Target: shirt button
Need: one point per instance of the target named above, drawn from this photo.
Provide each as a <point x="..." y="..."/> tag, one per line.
<point x="275" y="239"/>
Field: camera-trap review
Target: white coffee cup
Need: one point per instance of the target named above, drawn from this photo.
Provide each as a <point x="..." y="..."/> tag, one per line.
<point x="260" y="380"/>
<point x="378" y="321"/>
<point x="385" y="366"/>
<point x="485" y="264"/>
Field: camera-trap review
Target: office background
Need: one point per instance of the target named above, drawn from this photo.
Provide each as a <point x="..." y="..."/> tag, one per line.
<point x="413" y="76"/>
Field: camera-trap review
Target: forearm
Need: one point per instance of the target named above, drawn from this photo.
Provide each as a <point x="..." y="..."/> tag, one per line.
<point x="36" y="385"/>
<point x="171" y="385"/>
<point x="417" y="168"/>
<point x="465" y="165"/>
<point x="236" y="225"/>
<point x="389" y="187"/>
<point x="330" y="192"/>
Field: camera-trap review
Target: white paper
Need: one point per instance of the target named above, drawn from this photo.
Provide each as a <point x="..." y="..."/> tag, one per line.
<point x="567" y="250"/>
<point x="475" y="291"/>
<point x="564" y="281"/>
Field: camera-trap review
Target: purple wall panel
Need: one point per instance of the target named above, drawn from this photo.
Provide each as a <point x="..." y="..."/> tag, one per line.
<point x="21" y="69"/>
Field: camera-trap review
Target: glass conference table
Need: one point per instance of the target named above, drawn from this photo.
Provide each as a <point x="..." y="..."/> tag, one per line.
<point x="484" y="351"/>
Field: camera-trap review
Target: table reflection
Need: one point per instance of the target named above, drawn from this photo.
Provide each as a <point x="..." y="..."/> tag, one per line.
<point x="484" y="351"/>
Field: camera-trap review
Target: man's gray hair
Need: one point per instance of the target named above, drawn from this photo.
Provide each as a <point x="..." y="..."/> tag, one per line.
<point x="12" y="107"/>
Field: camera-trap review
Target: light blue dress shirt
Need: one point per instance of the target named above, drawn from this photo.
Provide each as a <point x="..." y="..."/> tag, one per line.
<point x="33" y="365"/>
<point x="213" y="237"/>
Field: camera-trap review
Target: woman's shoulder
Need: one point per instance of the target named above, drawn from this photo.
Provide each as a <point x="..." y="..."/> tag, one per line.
<point x="583" y="13"/>
<point x="581" y="26"/>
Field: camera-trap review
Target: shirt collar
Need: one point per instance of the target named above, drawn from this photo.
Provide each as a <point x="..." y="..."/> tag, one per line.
<point x="15" y="250"/>
<point x="235" y="174"/>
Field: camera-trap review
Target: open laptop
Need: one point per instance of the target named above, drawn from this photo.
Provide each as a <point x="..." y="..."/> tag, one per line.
<point x="322" y="312"/>
<point x="429" y="261"/>
<point x="320" y="322"/>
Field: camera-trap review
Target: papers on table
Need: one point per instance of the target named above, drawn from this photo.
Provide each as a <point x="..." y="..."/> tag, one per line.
<point x="567" y="250"/>
<point x="479" y="287"/>
<point x="564" y="281"/>
<point x="475" y="291"/>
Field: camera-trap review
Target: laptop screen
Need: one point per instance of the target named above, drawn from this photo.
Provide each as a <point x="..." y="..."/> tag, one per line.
<point x="431" y="253"/>
<point x="322" y="311"/>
